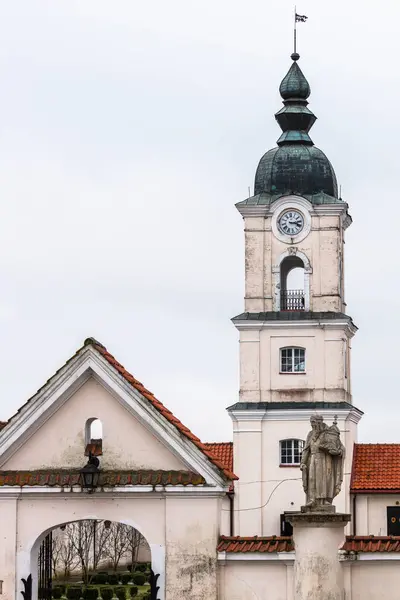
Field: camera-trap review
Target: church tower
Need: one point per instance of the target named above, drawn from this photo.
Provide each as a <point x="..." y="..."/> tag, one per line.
<point x="295" y="335"/>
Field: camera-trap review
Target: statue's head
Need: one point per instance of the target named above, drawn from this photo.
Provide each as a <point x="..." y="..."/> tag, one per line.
<point x="316" y="421"/>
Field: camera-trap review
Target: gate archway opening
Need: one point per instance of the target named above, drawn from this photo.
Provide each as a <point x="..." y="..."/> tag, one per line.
<point x="92" y="554"/>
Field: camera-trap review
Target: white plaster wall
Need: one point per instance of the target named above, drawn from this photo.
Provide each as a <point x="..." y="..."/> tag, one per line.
<point x="8" y="544"/>
<point x="371" y="517"/>
<point x="325" y="376"/>
<point x="192" y="529"/>
<point x="255" y="580"/>
<point x="182" y="533"/>
<point x="273" y="580"/>
<point x="60" y="442"/>
<point x="323" y="246"/>
<point x="265" y="489"/>
<point x="370" y="580"/>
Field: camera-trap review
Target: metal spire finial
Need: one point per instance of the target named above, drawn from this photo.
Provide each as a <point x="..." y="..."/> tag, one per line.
<point x="297" y="19"/>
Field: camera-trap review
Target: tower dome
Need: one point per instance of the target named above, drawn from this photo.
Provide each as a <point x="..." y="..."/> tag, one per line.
<point x="296" y="166"/>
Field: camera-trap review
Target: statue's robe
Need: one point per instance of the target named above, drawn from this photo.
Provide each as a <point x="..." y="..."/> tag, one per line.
<point x="322" y="455"/>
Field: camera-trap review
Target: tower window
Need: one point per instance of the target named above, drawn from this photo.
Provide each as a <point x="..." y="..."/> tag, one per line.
<point x="290" y="451"/>
<point x="293" y="360"/>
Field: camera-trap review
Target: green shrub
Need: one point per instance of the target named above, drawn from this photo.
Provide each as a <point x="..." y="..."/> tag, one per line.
<point x="57" y="592"/>
<point x="120" y="592"/>
<point x="133" y="591"/>
<point x="90" y="593"/>
<point x="113" y="579"/>
<point x="106" y="593"/>
<point x="100" y="579"/>
<point x="74" y="593"/>
<point x="126" y="578"/>
<point x="139" y="578"/>
<point x="63" y="588"/>
<point x="141" y="567"/>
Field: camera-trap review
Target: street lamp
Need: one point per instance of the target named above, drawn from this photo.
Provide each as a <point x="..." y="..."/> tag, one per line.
<point x="90" y="474"/>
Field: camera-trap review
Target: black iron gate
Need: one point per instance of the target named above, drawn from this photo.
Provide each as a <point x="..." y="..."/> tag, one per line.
<point x="45" y="568"/>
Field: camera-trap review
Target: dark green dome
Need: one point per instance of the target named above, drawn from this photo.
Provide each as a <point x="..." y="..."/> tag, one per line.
<point x="294" y="84"/>
<point x="296" y="166"/>
<point x="295" y="169"/>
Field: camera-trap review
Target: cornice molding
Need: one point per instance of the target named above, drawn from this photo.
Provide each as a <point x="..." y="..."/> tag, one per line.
<point x="285" y="557"/>
<point x="347" y="325"/>
<point x="292" y="414"/>
<point x="137" y="490"/>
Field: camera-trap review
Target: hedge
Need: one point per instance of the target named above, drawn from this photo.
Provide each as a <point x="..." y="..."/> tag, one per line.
<point x="120" y="592"/>
<point x="106" y="593"/>
<point x="141" y="567"/>
<point x="126" y="578"/>
<point x="139" y="578"/>
<point x="57" y="592"/>
<point x="100" y="578"/>
<point x="90" y="593"/>
<point x="74" y="593"/>
<point x="113" y="579"/>
<point x="133" y="591"/>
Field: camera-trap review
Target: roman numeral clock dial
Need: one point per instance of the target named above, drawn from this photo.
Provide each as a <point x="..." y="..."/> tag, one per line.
<point x="291" y="222"/>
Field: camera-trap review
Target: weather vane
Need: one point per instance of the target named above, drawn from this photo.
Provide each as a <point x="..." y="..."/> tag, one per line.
<point x="297" y="19"/>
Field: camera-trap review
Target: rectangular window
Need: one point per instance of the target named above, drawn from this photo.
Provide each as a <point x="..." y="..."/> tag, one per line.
<point x="293" y="360"/>
<point x="291" y="452"/>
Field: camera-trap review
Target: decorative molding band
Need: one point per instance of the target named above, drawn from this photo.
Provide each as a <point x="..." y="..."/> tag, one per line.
<point x="247" y="325"/>
<point x="291" y="414"/>
<point x="256" y="556"/>
<point x="157" y="492"/>
<point x="348" y="558"/>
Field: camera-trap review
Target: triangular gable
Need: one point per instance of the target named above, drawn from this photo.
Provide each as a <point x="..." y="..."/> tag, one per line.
<point x="93" y="359"/>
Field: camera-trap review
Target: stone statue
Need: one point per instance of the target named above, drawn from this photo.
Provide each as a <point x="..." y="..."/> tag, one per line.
<point x="322" y="464"/>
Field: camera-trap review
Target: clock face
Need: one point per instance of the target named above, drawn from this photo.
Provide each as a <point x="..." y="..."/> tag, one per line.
<point x="291" y="222"/>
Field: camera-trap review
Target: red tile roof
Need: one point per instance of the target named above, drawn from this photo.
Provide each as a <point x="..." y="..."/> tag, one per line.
<point x="223" y="451"/>
<point x="167" y="414"/>
<point x="242" y="545"/>
<point x="64" y="478"/>
<point x="159" y="406"/>
<point x="370" y="543"/>
<point x="376" y="468"/>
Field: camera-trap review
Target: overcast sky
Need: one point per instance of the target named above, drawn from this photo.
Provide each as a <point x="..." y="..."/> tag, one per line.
<point x="128" y="131"/>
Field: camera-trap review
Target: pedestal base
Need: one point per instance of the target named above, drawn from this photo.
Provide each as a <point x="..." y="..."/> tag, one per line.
<point x="317" y="538"/>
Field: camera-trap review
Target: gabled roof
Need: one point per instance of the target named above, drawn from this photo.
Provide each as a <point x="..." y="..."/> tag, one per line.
<point x="155" y="403"/>
<point x="376" y="468"/>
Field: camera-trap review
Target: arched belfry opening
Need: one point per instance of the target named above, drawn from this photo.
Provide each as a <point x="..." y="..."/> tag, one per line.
<point x="93" y="437"/>
<point x="292" y="276"/>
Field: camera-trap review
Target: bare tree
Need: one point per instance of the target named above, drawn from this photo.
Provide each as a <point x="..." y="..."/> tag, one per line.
<point x="117" y="543"/>
<point x="64" y="556"/>
<point x="56" y="550"/>
<point x="100" y="539"/>
<point x="79" y="537"/>
<point x="135" y="541"/>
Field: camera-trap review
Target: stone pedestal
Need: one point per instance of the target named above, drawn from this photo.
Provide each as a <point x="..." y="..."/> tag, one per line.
<point x="317" y="538"/>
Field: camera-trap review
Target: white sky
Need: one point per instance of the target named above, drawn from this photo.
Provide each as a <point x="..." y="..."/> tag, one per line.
<point x="128" y="131"/>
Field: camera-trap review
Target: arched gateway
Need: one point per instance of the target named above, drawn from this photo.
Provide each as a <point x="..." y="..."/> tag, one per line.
<point x="147" y="471"/>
